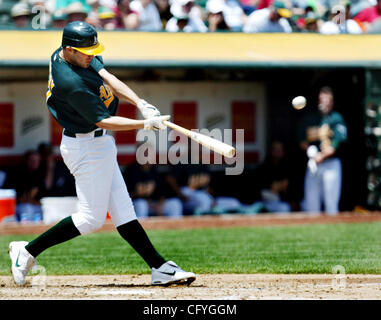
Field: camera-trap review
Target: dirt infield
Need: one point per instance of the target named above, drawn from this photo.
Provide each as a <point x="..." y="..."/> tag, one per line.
<point x="216" y="221"/>
<point x="206" y="286"/>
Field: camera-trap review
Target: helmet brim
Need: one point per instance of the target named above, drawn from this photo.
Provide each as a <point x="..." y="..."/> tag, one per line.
<point x="91" y="51"/>
<point x="285" y="13"/>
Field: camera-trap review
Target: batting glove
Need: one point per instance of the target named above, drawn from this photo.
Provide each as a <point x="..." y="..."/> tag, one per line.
<point x="155" y="123"/>
<point x="147" y="110"/>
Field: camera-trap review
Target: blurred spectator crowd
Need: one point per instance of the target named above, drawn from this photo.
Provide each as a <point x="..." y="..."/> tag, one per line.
<point x="250" y="16"/>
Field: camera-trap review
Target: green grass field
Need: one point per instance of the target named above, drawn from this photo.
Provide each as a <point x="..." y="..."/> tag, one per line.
<point x="297" y="249"/>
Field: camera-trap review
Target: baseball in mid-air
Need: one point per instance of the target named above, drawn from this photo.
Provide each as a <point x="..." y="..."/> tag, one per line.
<point x="299" y="102"/>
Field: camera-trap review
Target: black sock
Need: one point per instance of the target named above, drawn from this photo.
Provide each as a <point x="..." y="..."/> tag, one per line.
<point x="135" y="235"/>
<point x="61" y="232"/>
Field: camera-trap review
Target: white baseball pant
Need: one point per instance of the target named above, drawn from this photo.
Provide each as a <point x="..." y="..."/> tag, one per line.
<point x="99" y="183"/>
<point x="323" y="186"/>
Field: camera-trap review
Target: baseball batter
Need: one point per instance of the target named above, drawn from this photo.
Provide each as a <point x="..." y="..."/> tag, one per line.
<point x="83" y="97"/>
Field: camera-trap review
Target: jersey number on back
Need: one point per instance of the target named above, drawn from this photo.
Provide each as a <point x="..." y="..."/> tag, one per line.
<point x="106" y="95"/>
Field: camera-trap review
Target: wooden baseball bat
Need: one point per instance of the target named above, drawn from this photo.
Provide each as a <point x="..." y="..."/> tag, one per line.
<point x="208" y="142"/>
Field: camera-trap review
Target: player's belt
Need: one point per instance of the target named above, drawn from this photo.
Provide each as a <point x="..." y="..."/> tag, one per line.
<point x="96" y="133"/>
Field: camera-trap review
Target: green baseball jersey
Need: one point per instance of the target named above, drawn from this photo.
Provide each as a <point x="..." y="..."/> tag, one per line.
<point x="77" y="97"/>
<point x="337" y="124"/>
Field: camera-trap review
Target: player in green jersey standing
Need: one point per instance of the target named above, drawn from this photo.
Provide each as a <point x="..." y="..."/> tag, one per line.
<point x="323" y="177"/>
<point x="83" y="97"/>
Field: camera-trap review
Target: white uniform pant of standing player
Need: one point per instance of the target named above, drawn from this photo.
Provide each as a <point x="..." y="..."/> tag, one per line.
<point x="323" y="186"/>
<point x="99" y="182"/>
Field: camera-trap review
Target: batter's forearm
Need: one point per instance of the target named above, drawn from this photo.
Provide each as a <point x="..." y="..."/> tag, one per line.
<point x="119" y="88"/>
<point x="120" y="124"/>
<point x="123" y="92"/>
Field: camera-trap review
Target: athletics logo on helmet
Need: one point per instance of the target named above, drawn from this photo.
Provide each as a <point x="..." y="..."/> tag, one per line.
<point x="82" y="37"/>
